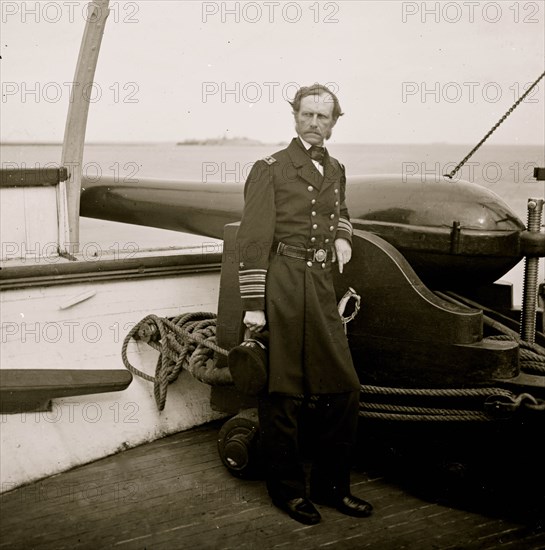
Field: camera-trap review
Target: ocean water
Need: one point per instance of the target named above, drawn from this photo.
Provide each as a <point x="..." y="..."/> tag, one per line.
<point x="505" y="169"/>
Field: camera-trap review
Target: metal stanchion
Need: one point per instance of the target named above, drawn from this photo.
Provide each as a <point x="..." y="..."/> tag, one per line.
<point x="531" y="267"/>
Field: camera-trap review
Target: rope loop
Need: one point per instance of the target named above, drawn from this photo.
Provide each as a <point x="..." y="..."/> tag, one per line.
<point x="187" y="341"/>
<point x="343" y="302"/>
<point x="504" y="406"/>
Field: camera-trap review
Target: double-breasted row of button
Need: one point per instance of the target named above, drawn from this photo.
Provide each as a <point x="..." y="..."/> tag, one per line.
<point x="313" y="214"/>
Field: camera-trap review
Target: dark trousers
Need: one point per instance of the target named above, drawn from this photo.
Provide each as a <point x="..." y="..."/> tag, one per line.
<point x="324" y="428"/>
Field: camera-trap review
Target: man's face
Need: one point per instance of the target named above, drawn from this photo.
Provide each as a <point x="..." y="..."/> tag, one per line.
<point x="314" y="120"/>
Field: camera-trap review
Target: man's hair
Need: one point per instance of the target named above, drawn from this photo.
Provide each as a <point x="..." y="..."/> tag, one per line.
<point x="316" y="90"/>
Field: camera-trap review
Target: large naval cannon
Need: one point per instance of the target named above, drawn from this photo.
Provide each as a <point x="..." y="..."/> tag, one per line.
<point x="435" y="337"/>
<point x="447" y="230"/>
<point x="453" y="233"/>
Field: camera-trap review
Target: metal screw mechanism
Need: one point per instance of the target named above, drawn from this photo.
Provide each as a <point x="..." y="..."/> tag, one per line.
<point x="531" y="267"/>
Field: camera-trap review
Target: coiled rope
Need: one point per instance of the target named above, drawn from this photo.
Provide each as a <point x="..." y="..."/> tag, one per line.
<point x="189" y="342"/>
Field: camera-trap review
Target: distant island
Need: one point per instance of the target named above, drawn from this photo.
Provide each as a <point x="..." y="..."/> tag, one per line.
<point x="242" y="141"/>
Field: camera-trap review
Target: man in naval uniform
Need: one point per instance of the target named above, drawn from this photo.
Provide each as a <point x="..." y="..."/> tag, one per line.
<point x="295" y="230"/>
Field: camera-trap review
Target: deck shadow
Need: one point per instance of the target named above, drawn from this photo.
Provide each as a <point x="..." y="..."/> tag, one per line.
<point x="495" y="470"/>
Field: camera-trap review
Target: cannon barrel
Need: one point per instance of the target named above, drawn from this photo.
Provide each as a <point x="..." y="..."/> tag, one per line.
<point x="451" y="232"/>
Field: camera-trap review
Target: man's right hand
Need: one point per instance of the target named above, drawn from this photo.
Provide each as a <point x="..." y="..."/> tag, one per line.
<point x="255" y="320"/>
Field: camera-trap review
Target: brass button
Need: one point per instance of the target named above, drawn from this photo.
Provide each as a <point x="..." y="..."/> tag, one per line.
<point x="313" y="239"/>
<point x="326" y="241"/>
<point x="336" y="203"/>
<point x="323" y="266"/>
<point x="313" y="213"/>
<point x="331" y="228"/>
<point x="310" y="188"/>
<point x="332" y="216"/>
<point x="313" y="201"/>
<point x="336" y="191"/>
<point x="309" y="264"/>
<point x="315" y="226"/>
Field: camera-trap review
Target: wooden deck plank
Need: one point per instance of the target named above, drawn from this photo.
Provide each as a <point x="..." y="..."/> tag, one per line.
<point x="175" y="493"/>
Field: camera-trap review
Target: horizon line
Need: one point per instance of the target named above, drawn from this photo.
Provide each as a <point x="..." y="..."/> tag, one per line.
<point x="258" y="144"/>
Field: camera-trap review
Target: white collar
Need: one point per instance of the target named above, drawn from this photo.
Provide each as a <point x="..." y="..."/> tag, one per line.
<point x="318" y="166"/>
<point x="306" y="145"/>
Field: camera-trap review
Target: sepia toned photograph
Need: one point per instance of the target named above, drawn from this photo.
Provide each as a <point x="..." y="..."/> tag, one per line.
<point x="272" y="274"/>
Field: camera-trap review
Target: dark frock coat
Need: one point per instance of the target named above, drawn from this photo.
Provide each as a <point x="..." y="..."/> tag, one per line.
<point x="288" y="200"/>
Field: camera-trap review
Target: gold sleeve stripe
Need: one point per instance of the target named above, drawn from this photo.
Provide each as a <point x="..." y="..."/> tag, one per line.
<point x="345" y="225"/>
<point x="252" y="283"/>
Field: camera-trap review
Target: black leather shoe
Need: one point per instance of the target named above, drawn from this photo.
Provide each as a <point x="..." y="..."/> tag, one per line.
<point x="348" y="505"/>
<point x="300" y="509"/>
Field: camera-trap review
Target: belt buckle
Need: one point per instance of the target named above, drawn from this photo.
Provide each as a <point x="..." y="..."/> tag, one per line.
<point x="320" y="255"/>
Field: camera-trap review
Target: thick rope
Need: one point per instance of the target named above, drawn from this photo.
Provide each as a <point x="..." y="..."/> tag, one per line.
<point x="469" y="417"/>
<point x="413" y="411"/>
<point x="189" y="341"/>
<point x="499" y="403"/>
<point x="435" y="392"/>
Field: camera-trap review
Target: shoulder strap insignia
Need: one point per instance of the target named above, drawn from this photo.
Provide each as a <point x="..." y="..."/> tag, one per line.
<point x="269" y="160"/>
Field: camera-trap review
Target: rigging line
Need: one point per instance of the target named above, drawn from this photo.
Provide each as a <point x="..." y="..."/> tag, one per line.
<point x="450" y="175"/>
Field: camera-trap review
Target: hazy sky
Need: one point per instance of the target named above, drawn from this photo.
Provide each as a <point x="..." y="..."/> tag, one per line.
<point x="172" y="70"/>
